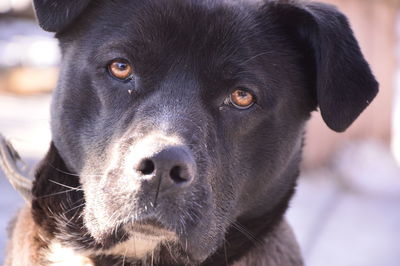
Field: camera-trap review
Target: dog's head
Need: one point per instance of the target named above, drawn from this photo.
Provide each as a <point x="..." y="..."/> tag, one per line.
<point x="181" y="117"/>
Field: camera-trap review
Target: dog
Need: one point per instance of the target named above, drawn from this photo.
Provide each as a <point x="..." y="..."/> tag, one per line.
<point x="177" y="129"/>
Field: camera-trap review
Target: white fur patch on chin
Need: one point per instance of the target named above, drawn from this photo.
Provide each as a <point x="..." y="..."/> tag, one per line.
<point x="140" y="244"/>
<point x="59" y="255"/>
<point x="135" y="247"/>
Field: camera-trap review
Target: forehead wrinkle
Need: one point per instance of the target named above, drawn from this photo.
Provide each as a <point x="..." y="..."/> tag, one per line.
<point x="117" y="43"/>
<point x="113" y="49"/>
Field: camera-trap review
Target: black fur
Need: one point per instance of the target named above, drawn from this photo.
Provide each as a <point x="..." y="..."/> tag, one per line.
<point x="344" y="84"/>
<point x="57" y="208"/>
<point x="188" y="56"/>
<point x="55" y="16"/>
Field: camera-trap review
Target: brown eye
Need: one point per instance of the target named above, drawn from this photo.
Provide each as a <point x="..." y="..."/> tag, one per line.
<point x="120" y="69"/>
<point x="242" y="99"/>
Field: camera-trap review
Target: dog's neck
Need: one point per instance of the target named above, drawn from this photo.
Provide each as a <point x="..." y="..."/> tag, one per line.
<point x="63" y="228"/>
<point x="248" y="234"/>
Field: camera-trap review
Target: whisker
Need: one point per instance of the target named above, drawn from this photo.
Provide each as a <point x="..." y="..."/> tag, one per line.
<point x="61" y="171"/>
<point x="169" y="249"/>
<point x="240" y="228"/>
<point x="123" y="259"/>
<point x="68" y="222"/>
<point x="76" y="207"/>
<point x="56" y="193"/>
<point x="69" y="173"/>
<point x="225" y="253"/>
<point x="63" y="185"/>
<point x="246" y="233"/>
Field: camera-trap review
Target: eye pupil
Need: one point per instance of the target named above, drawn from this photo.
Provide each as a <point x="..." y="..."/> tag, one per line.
<point x="121" y="66"/>
<point x="242" y="94"/>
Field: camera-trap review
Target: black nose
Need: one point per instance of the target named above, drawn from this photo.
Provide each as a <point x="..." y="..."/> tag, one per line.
<point x="173" y="166"/>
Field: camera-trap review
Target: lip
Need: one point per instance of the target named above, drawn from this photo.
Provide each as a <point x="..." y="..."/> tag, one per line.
<point x="149" y="228"/>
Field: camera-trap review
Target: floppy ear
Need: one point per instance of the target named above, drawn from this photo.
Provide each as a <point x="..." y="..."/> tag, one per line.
<point x="344" y="83"/>
<point x="56" y="15"/>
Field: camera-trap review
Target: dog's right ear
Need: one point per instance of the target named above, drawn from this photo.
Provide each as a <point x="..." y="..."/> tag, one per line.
<point x="56" y="15"/>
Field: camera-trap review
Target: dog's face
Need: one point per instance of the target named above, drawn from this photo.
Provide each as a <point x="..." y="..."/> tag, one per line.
<point x="181" y="117"/>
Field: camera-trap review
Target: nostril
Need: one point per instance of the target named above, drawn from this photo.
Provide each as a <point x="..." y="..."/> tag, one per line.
<point x="178" y="174"/>
<point x="146" y="167"/>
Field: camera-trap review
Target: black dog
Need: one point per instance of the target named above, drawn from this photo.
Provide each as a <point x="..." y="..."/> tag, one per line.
<point x="177" y="129"/>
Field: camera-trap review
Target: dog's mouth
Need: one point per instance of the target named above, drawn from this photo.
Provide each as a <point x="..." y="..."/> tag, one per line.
<point x="147" y="231"/>
<point x="149" y="228"/>
<point x="142" y="238"/>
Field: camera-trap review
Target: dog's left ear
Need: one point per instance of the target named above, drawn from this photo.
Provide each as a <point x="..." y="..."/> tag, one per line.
<point x="344" y="84"/>
<point x="56" y="15"/>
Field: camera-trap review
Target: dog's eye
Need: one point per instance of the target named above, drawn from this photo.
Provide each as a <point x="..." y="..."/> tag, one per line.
<point x="241" y="99"/>
<point x="120" y="69"/>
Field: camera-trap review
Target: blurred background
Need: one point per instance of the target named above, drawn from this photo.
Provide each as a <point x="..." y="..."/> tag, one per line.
<point x="347" y="208"/>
